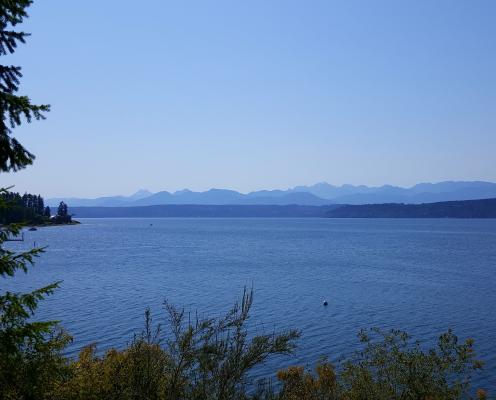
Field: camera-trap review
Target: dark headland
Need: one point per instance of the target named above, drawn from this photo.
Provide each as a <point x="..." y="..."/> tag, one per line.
<point x="485" y="208"/>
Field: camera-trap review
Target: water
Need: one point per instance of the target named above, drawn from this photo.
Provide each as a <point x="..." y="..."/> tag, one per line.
<point x="422" y="276"/>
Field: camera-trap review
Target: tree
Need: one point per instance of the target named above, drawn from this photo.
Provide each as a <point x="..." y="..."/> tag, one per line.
<point x="29" y="350"/>
<point x="19" y="210"/>
<point x="14" y="108"/>
<point x="47" y="213"/>
<point x="62" y="210"/>
<point x="34" y="203"/>
<point x="41" y="205"/>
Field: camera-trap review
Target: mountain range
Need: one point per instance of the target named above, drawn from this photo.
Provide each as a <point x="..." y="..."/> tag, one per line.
<point x="314" y="195"/>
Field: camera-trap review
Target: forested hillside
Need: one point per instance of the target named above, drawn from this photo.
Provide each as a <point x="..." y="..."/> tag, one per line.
<point x="28" y="208"/>
<point x="485" y="208"/>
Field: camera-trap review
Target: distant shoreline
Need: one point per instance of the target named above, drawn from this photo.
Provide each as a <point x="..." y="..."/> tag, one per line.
<point x="466" y="209"/>
<point x="73" y="222"/>
<point x="481" y="209"/>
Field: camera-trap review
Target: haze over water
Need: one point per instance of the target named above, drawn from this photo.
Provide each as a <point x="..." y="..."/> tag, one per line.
<point x="422" y="276"/>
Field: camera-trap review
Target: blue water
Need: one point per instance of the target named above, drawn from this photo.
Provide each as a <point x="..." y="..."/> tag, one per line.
<point x="422" y="276"/>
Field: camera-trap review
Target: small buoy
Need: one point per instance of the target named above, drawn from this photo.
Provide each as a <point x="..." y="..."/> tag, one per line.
<point x="325" y="302"/>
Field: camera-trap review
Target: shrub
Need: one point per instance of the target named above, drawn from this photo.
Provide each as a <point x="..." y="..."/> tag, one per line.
<point x="201" y="359"/>
<point x="390" y="367"/>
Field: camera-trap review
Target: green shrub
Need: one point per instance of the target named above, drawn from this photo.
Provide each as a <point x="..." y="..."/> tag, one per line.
<point x="390" y="366"/>
<point x="201" y="359"/>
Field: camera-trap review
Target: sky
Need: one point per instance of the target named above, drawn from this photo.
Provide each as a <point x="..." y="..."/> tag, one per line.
<point x="256" y="94"/>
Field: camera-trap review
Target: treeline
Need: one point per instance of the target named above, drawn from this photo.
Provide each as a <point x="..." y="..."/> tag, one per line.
<point x="28" y="208"/>
<point x="484" y="208"/>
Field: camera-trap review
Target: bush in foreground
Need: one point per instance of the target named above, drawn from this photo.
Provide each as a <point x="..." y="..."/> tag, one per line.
<point x="201" y="359"/>
<point x="390" y="366"/>
<point x="211" y="359"/>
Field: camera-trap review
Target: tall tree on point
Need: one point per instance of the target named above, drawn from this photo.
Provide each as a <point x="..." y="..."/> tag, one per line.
<point x="62" y="210"/>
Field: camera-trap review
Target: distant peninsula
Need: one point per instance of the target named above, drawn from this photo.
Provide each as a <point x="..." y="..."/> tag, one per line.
<point x="204" y="211"/>
<point x="30" y="210"/>
<point x="485" y="208"/>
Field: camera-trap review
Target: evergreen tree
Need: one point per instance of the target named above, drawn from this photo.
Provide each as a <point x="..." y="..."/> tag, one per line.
<point x="34" y="203"/>
<point x="47" y="213"/>
<point x="41" y="205"/>
<point x="62" y="210"/>
<point x="14" y="108"/>
<point x="18" y="212"/>
<point x="28" y="349"/>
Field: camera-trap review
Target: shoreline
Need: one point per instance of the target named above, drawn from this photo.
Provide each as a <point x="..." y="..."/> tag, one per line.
<point x="55" y="224"/>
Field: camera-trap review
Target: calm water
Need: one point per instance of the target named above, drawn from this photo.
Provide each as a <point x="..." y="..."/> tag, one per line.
<point x="421" y="276"/>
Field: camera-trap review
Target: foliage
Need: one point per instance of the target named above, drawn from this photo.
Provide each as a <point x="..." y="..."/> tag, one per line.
<point x="201" y="359"/>
<point x="30" y="351"/>
<point x="298" y="384"/>
<point x="28" y="208"/>
<point x="211" y="359"/>
<point x="63" y="216"/>
<point x="390" y="368"/>
<point x="62" y="210"/>
<point x="483" y="208"/>
<point x="137" y="372"/>
<point x="14" y="108"/>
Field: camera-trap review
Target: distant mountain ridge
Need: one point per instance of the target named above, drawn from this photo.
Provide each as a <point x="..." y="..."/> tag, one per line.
<point x="186" y="197"/>
<point x="314" y="195"/>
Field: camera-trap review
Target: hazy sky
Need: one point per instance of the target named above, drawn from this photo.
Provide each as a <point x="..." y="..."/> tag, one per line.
<point x="257" y="94"/>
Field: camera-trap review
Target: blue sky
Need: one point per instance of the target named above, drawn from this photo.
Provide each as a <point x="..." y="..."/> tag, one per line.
<point x="257" y="94"/>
